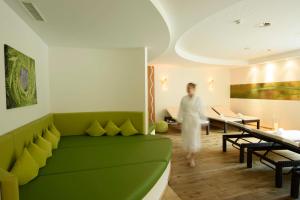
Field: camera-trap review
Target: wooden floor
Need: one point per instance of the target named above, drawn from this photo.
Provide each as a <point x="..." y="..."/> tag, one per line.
<point x="219" y="175"/>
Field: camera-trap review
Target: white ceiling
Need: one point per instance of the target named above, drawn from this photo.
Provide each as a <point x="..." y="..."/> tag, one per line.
<point x="98" y="24"/>
<point x="194" y="32"/>
<point x="218" y="39"/>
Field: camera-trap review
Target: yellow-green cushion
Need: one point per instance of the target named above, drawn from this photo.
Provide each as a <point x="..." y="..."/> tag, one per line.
<point x="9" y="186"/>
<point x="112" y="129"/>
<point x="54" y="130"/>
<point x="127" y="128"/>
<point x="95" y="129"/>
<point x="50" y="137"/>
<point x="39" y="155"/>
<point x="45" y="145"/>
<point x="25" y="168"/>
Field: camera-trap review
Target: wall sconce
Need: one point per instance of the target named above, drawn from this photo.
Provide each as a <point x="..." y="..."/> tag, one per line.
<point x="164" y="83"/>
<point x="211" y="82"/>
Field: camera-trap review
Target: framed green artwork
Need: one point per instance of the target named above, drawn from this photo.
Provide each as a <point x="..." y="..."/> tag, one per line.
<point x="289" y="90"/>
<point x="19" y="79"/>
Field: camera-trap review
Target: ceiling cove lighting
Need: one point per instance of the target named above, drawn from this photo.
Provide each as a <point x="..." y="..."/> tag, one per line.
<point x="269" y="72"/>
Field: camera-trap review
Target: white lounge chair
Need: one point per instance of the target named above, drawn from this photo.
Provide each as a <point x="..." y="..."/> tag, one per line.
<point x="227" y="112"/>
<point x="213" y="117"/>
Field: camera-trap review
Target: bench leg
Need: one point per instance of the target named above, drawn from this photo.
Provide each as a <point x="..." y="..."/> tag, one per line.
<point x="295" y="185"/>
<point x="224" y="143"/>
<point x="207" y="130"/>
<point x="249" y="158"/>
<point x="258" y="124"/>
<point x="278" y="176"/>
<point x="242" y="153"/>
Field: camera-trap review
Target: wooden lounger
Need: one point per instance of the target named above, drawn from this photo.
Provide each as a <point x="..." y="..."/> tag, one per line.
<point x="227" y="112"/>
<point x="270" y="141"/>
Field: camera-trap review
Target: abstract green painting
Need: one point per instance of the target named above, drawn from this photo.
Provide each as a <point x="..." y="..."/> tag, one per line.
<point x="19" y="79"/>
<point x="277" y="90"/>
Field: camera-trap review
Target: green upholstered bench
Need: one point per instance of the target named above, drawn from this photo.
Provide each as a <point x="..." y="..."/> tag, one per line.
<point x="85" y="167"/>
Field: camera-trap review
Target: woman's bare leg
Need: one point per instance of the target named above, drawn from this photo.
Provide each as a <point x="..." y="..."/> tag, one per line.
<point x="193" y="160"/>
<point x="188" y="156"/>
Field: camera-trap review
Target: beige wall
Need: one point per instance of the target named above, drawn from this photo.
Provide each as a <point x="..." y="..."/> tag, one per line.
<point x="285" y="112"/>
<point x="179" y="76"/>
<point x="18" y="35"/>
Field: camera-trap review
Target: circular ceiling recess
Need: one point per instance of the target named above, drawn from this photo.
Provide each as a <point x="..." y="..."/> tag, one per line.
<point x="243" y="32"/>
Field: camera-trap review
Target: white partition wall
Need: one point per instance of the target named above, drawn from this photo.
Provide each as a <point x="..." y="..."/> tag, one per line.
<point x="17" y="34"/>
<point x="83" y="80"/>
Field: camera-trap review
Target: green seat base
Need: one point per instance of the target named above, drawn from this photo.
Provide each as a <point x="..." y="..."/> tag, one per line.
<point x="115" y="183"/>
<point x="104" y="167"/>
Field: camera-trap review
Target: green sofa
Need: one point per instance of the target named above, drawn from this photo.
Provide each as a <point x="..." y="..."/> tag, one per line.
<point x="85" y="167"/>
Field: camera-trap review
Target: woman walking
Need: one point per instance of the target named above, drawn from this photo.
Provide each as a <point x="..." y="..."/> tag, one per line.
<point x="190" y="113"/>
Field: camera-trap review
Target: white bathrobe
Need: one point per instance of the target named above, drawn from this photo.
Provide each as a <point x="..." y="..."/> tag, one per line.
<point x="190" y="113"/>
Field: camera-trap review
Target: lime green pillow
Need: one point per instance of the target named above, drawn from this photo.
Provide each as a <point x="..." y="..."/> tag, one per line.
<point x="9" y="185"/>
<point x="54" y="130"/>
<point x="25" y="168"/>
<point x="127" y="128"/>
<point x="50" y="137"/>
<point x="38" y="154"/>
<point x="95" y="129"/>
<point x="161" y="127"/>
<point x="45" y="145"/>
<point x="111" y="129"/>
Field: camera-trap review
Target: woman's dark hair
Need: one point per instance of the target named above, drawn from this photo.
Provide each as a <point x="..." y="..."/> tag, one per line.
<point x="192" y="85"/>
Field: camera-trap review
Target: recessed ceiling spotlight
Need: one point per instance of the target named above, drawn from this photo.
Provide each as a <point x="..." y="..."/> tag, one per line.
<point x="237" y="21"/>
<point x="265" y="24"/>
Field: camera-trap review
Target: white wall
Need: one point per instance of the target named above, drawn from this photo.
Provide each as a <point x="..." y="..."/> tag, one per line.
<point x="285" y="112"/>
<point x="178" y="77"/>
<point x="97" y="80"/>
<point x="18" y="35"/>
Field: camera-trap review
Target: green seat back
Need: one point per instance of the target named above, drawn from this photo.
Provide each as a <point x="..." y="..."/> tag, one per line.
<point x="77" y="123"/>
<point x="13" y="142"/>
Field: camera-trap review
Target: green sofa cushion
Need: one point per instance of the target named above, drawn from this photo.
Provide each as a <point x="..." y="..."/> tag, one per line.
<point x="25" y="168"/>
<point x="102" y="156"/>
<point x="54" y="130"/>
<point x="38" y="154"/>
<point x="127" y="128"/>
<point x="111" y="129"/>
<point x="130" y="182"/>
<point x="45" y="145"/>
<point x="95" y="129"/>
<point x="50" y="137"/>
